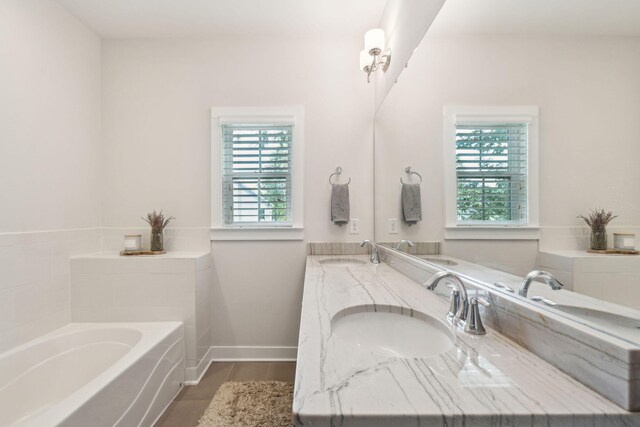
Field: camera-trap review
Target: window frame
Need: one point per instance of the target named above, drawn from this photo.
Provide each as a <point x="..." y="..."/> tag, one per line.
<point x="256" y="231"/>
<point x="490" y="114"/>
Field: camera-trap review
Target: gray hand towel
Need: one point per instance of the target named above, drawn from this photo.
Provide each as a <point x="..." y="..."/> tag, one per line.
<point x="340" y="203"/>
<point x="411" y="203"/>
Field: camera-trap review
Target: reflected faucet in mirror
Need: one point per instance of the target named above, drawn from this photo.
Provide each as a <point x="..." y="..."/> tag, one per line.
<point x="535" y="274"/>
<point x="408" y="242"/>
<point x="374" y="251"/>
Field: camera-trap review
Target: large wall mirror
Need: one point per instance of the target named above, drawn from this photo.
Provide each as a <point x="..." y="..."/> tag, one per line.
<point x="516" y="121"/>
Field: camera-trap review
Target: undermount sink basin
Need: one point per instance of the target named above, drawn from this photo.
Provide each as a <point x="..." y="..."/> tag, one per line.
<point x="440" y="261"/>
<point x="393" y="334"/>
<point x="601" y="317"/>
<point x="342" y="262"/>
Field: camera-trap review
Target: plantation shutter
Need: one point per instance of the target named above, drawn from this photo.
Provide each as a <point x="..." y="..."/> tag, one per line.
<point x="491" y="171"/>
<point x="256" y="179"/>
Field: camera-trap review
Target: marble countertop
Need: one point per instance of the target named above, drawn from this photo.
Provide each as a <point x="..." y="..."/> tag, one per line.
<point x="482" y="381"/>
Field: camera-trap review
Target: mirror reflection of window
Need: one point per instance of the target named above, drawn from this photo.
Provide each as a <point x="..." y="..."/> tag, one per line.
<point x="491" y="173"/>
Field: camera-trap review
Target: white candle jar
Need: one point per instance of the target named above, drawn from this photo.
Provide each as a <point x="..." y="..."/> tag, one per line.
<point x="624" y="241"/>
<point x="133" y="242"/>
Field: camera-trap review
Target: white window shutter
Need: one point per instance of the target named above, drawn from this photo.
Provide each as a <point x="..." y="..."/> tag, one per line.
<point x="256" y="174"/>
<point x="491" y="173"/>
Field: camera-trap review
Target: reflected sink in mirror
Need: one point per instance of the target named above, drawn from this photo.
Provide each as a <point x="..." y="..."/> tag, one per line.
<point x="394" y="334"/>
<point x="342" y="262"/>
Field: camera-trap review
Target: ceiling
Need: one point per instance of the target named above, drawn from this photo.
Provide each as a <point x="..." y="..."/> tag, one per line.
<point x="186" y="18"/>
<point x="579" y="17"/>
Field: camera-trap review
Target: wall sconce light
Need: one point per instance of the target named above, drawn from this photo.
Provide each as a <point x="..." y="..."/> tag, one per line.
<point x="373" y="56"/>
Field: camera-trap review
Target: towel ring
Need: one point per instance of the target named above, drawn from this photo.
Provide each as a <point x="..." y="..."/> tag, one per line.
<point x="338" y="172"/>
<point x="409" y="170"/>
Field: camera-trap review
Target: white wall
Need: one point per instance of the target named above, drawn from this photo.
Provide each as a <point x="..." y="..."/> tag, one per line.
<point x="588" y="92"/>
<point x="157" y="96"/>
<point x="405" y="22"/>
<point x="49" y="162"/>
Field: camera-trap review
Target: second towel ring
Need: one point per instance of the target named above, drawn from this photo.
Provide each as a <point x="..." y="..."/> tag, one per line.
<point x="409" y="171"/>
<point x="338" y="172"/>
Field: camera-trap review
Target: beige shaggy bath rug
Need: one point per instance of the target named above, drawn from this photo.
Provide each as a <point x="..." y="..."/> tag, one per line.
<point x="250" y="404"/>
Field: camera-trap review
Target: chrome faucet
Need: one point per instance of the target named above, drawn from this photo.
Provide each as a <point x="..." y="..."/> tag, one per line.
<point x="547" y="277"/>
<point x="408" y="242"/>
<point x="462" y="308"/>
<point x="474" y="320"/>
<point x="374" y="251"/>
<point x="459" y="301"/>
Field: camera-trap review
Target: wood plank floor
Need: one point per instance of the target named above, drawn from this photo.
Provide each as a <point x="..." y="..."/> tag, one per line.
<point x="191" y="402"/>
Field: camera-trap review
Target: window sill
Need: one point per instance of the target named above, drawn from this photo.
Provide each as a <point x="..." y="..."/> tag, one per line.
<point x="257" y="233"/>
<point x="491" y="233"/>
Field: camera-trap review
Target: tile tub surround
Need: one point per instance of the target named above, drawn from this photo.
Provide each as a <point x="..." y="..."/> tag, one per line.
<point x="482" y="381"/>
<point x="175" y="239"/>
<point x="612" y="278"/>
<point x="602" y="361"/>
<point x="106" y="287"/>
<point x="34" y="281"/>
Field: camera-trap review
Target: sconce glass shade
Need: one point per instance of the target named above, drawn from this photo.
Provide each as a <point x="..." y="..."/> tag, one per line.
<point x="365" y="60"/>
<point x="374" y="41"/>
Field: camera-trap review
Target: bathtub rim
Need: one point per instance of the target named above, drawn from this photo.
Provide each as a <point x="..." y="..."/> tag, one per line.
<point x="152" y="333"/>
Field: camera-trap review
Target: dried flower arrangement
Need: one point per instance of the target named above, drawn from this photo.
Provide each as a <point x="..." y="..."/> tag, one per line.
<point x="598" y="219"/>
<point x="157" y="221"/>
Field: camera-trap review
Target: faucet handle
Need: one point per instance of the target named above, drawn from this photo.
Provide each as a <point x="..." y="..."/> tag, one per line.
<point x="544" y="301"/>
<point x="481" y="301"/>
<point x="474" y="321"/>
<point x="503" y="286"/>
<point x="457" y="308"/>
<point x="454" y="306"/>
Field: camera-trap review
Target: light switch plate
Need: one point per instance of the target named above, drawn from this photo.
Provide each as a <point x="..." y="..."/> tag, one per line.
<point x="393" y="226"/>
<point x="354" y="226"/>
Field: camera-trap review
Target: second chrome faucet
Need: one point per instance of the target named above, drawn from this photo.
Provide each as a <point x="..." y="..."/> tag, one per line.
<point x="375" y="258"/>
<point x="538" y="274"/>
<point x="405" y="241"/>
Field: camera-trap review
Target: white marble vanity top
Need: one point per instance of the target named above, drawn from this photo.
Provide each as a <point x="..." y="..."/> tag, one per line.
<point x="482" y="381"/>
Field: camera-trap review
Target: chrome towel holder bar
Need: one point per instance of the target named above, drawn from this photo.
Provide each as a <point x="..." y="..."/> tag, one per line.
<point x="338" y="172"/>
<point x="409" y="171"/>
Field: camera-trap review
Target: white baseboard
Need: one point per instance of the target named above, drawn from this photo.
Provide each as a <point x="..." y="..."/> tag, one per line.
<point x="253" y="354"/>
<point x="192" y="376"/>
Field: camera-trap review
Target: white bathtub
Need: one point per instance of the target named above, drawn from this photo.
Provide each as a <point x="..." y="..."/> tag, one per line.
<point x="93" y="374"/>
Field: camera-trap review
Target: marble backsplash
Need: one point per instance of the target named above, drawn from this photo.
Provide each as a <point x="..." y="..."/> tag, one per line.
<point x="353" y="248"/>
<point x="337" y="248"/>
<point x="419" y="248"/>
